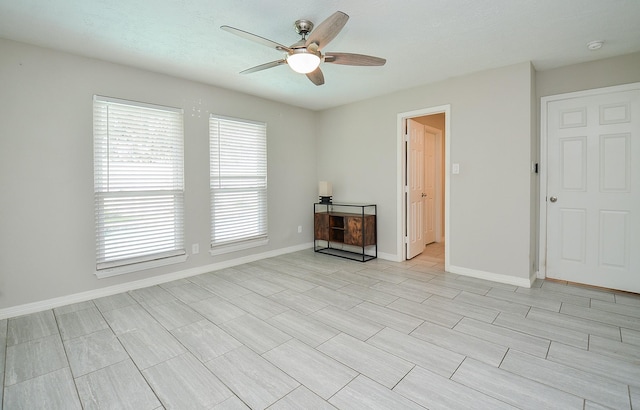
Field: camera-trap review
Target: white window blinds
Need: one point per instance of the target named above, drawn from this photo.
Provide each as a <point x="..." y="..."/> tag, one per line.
<point x="238" y="150"/>
<point x="138" y="182"/>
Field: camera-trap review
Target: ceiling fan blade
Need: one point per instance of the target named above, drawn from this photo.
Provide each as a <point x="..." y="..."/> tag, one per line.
<point x="255" y="38"/>
<point x="353" y="59"/>
<point x="316" y="76"/>
<point x="264" y="66"/>
<point x="327" y="30"/>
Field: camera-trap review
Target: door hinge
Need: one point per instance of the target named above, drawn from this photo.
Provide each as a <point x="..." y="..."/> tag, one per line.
<point x="405" y="138"/>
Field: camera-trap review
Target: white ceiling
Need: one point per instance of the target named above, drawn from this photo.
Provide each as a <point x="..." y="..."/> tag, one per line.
<point x="423" y="40"/>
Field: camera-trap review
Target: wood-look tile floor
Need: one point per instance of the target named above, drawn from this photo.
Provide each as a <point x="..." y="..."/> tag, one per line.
<point x="311" y="331"/>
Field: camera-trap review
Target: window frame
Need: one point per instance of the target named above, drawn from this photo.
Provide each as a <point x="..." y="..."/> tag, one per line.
<point x="259" y="175"/>
<point x="165" y="135"/>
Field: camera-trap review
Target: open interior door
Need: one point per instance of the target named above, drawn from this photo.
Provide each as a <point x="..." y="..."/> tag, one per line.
<point x="415" y="189"/>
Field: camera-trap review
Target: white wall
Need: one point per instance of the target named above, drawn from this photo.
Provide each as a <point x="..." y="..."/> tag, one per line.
<point x="491" y="133"/>
<point x="595" y="74"/>
<point x="46" y="167"/>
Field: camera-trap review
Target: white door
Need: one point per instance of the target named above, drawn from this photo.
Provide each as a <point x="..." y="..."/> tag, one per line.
<point x="429" y="187"/>
<point x="415" y="184"/>
<point x="593" y="190"/>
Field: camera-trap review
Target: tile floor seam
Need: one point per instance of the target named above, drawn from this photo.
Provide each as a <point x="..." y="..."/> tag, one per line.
<point x="503" y="356"/>
<point x="146" y="380"/>
<point x="403" y="377"/>
<point x="75" y="385"/>
<point x="40" y="375"/>
<point x="137" y="368"/>
<point x="232" y="390"/>
<point x="301" y="383"/>
<point x="530" y="380"/>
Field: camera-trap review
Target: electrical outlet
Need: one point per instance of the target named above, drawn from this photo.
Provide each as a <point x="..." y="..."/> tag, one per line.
<point x="299" y="228"/>
<point x="195" y="248"/>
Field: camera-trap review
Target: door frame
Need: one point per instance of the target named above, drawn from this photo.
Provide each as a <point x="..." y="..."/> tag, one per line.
<point x="400" y="187"/>
<point x="543" y="165"/>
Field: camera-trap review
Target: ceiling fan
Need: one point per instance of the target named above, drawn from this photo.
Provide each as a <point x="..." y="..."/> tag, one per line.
<point x="305" y="55"/>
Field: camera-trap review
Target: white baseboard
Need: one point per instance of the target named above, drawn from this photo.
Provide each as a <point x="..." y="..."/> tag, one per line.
<point x="389" y="257"/>
<point x="494" y="277"/>
<point x="143" y="283"/>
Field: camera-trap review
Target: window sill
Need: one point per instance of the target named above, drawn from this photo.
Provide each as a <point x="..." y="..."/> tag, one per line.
<point x="134" y="267"/>
<point x="234" y="247"/>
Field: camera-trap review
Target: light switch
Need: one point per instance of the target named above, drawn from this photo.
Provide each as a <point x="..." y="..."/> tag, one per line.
<point x="455" y="169"/>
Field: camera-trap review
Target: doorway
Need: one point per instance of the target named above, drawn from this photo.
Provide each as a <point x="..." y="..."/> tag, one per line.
<point x="423" y="180"/>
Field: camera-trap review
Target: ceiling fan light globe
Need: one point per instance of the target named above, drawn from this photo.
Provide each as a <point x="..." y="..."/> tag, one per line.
<point x="303" y="62"/>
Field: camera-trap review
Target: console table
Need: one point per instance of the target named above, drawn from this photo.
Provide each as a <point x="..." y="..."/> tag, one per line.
<point x="346" y="230"/>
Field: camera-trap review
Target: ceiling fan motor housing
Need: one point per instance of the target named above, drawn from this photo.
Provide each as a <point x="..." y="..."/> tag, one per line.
<point x="303" y="27"/>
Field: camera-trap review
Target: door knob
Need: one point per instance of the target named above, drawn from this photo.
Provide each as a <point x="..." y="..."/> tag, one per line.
<point x="553" y="199"/>
<point x="423" y="194"/>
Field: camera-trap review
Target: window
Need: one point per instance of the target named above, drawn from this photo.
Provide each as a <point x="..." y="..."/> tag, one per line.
<point x="138" y="185"/>
<point x="238" y="182"/>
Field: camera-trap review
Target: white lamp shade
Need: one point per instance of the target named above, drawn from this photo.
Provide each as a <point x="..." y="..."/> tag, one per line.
<point x="303" y="62"/>
<point x="325" y="188"/>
